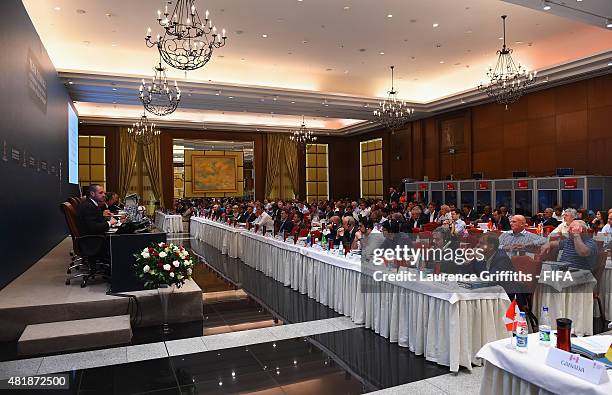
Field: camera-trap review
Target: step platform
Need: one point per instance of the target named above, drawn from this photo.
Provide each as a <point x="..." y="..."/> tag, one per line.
<point x="63" y="336"/>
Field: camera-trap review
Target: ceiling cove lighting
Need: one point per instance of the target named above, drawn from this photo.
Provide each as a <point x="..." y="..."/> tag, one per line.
<point x="392" y="112"/>
<point x="159" y="97"/>
<point x="507" y="81"/>
<point x="188" y="42"/>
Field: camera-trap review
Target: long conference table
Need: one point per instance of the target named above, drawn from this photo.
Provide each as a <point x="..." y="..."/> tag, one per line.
<point x="442" y="321"/>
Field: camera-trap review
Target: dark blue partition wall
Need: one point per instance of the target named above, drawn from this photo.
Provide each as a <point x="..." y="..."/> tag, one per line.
<point x="33" y="146"/>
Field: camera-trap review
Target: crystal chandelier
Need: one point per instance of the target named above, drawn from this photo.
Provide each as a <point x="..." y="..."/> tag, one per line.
<point x="143" y="131"/>
<point x="393" y="112"/>
<point x="187" y="43"/>
<point x="303" y="135"/>
<point x="507" y="82"/>
<point x="160" y="98"/>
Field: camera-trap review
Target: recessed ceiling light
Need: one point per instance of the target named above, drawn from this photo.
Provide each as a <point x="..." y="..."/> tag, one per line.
<point x="264" y="35"/>
<point x="304" y="41"/>
<point x="609" y="23"/>
<point x="389" y="15"/>
<point x="545" y="5"/>
<point x="114" y="89"/>
<point x="441" y="62"/>
<point x="230" y="97"/>
<point x="292" y="102"/>
<point x="70" y="82"/>
<point x="500" y="38"/>
<point x="381" y="53"/>
<point x="346" y="8"/>
<point x="58" y="8"/>
<point x="113" y="44"/>
<point x="435" y="25"/>
<point x="518" y="42"/>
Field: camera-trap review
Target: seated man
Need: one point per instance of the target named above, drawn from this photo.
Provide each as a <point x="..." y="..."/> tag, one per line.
<point x="346" y="234"/>
<point x="263" y="218"/>
<point x="495" y="261"/>
<point x="456" y="224"/>
<point x="286" y="225"/>
<point x="500" y="221"/>
<point x="417" y="218"/>
<point x="569" y="215"/>
<point x="546" y="218"/>
<point x="607" y="229"/>
<point x="249" y="215"/>
<point x="468" y="213"/>
<point x="579" y="250"/>
<point x="112" y="202"/>
<point x="90" y="219"/>
<point x="518" y="239"/>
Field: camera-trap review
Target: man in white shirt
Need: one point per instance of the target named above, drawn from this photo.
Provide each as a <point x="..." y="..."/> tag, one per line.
<point x="263" y="218"/>
<point x="457" y="225"/>
<point x="568" y="216"/>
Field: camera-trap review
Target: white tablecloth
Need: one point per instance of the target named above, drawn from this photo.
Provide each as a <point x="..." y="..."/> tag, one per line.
<point x="447" y="327"/>
<point x="219" y="235"/>
<point x="168" y="222"/>
<point x="574" y="302"/>
<point x="509" y="372"/>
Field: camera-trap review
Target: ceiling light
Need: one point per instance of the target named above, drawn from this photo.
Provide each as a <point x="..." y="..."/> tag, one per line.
<point x="545" y="5"/>
<point x="381" y="53"/>
<point x="392" y="112"/>
<point x="114" y="89"/>
<point x="609" y="23"/>
<point x="292" y="102"/>
<point x="58" y="8"/>
<point x="441" y="62"/>
<point x="160" y="97"/>
<point x="264" y="35"/>
<point x="389" y="15"/>
<point x="435" y="25"/>
<point x="230" y="97"/>
<point x="70" y="82"/>
<point x="609" y="64"/>
<point x="188" y="41"/>
<point x="346" y="8"/>
<point x="113" y="45"/>
<point x="507" y="82"/>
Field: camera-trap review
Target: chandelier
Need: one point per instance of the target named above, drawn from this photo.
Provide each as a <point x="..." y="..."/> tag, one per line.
<point x="187" y="43"/>
<point x="159" y="97"/>
<point x="507" y="82"/>
<point x="393" y="112"/>
<point x="303" y="135"/>
<point x="143" y="131"/>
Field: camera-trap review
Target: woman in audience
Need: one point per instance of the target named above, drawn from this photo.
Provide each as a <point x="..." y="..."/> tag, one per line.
<point x="444" y="214"/>
<point x="597" y="223"/>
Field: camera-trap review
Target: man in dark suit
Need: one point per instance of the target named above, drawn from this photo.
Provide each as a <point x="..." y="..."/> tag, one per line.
<point x="286" y="225"/>
<point x="250" y="215"/>
<point x="417" y="218"/>
<point x="394" y="196"/>
<point x="469" y="214"/>
<point x="346" y="234"/>
<point x="432" y="212"/>
<point x="500" y="221"/>
<point x="546" y="218"/>
<point x="90" y="218"/>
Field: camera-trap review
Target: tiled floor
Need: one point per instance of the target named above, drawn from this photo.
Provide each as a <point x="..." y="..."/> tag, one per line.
<point x="316" y="352"/>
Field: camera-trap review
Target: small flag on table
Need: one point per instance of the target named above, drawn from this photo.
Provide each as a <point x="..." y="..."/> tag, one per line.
<point x="511" y="313"/>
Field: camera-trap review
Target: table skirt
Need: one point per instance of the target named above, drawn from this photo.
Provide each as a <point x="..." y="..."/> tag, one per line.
<point x="169" y="223"/>
<point x="447" y="333"/>
<point x="575" y="304"/>
<point x="497" y="381"/>
<point x="222" y="237"/>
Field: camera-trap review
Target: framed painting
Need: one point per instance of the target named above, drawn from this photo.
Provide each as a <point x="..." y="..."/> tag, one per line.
<point x="214" y="174"/>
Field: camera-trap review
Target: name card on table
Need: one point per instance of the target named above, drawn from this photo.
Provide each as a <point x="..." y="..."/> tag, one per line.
<point x="583" y="368"/>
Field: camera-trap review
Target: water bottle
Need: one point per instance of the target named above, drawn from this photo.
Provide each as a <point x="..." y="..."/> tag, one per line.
<point x="308" y="239"/>
<point x="545" y="327"/>
<point x="323" y="242"/>
<point x="522" y="333"/>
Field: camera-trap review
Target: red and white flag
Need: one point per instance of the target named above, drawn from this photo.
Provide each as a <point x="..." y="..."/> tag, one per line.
<point x="511" y="313"/>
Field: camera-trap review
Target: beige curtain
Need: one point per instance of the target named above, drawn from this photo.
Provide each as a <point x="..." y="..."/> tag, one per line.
<point x="127" y="157"/>
<point x="273" y="163"/>
<point x="292" y="162"/>
<point x="152" y="160"/>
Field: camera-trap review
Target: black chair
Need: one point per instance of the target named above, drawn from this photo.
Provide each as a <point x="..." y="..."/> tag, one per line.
<point x="88" y="249"/>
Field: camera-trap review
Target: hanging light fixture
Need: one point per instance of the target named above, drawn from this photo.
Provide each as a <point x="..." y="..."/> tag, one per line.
<point x="393" y="112"/>
<point x="187" y="42"/>
<point x="160" y="98"/>
<point x="143" y="131"/>
<point x="303" y="136"/>
<point x="507" y="81"/>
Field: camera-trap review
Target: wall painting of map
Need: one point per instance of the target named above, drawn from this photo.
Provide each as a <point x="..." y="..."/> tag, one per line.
<point x="214" y="174"/>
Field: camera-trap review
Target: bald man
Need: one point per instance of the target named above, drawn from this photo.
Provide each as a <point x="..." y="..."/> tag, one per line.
<point x="517" y="238"/>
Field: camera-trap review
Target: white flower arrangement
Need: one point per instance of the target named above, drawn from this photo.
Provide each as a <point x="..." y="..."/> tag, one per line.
<point x="163" y="264"/>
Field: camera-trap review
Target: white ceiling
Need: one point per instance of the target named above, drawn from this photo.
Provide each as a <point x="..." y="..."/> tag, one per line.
<point x="315" y="50"/>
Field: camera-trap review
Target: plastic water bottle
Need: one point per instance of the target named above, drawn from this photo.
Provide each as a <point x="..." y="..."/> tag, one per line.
<point x="545" y="327"/>
<point x="521" y="333"/>
<point x="308" y="240"/>
<point x="323" y="242"/>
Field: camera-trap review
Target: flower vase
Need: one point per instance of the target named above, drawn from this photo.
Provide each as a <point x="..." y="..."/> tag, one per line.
<point x="164" y="291"/>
